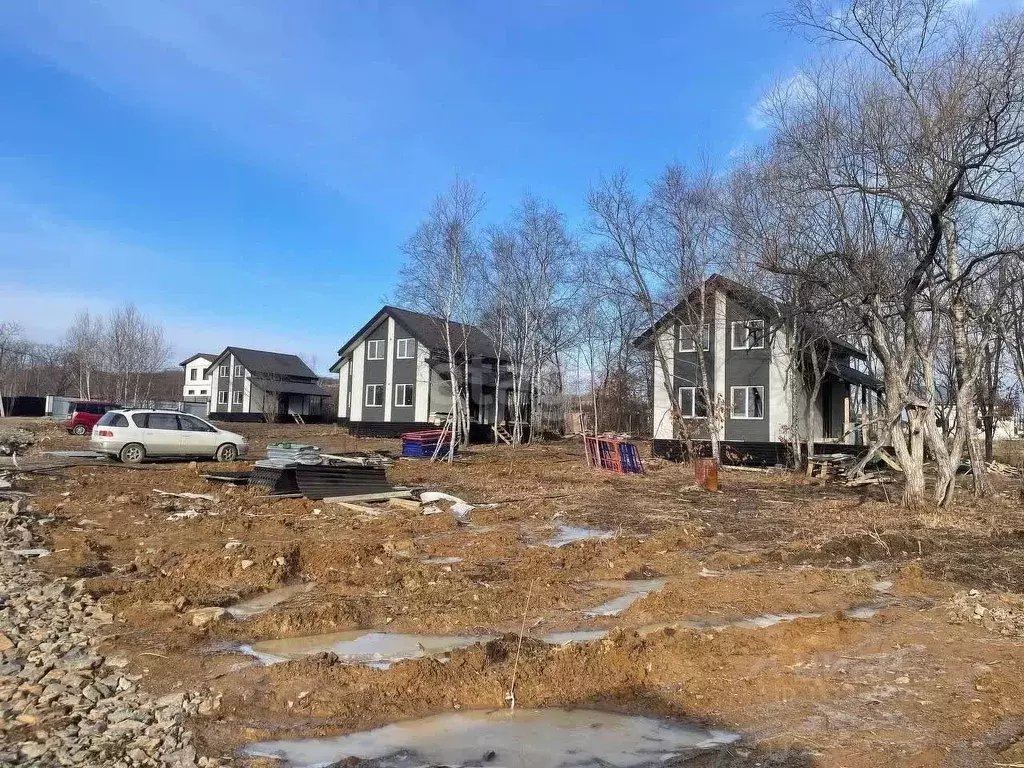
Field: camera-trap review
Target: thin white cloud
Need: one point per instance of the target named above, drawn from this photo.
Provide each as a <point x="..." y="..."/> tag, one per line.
<point x="787" y="91"/>
<point x="299" y="87"/>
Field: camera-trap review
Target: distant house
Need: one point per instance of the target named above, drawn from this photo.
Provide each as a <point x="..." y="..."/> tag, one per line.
<point x="749" y="368"/>
<point x="197" y="378"/>
<point x="253" y="385"/>
<point x="393" y="375"/>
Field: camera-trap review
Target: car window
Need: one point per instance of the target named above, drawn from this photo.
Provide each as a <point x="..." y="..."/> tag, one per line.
<point x="140" y="419"/>
<point x="112" y="419"/>
<point x="162" y="421"/>
<point x="192" y="424"/>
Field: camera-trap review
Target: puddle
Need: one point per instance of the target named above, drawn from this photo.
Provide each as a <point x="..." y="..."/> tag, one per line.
<point x="569" y="534"/>
<point x="254" y="606"/>
<point x="441" y="560"/>
<point x="378" y="649"/>
<point x="546" y="738"/>
<point x="579" y="636"/>
<point x="634" y="591"/>
<point x="862" y="612"/>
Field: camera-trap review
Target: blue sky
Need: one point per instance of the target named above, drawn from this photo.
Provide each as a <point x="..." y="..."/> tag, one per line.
<point x="246" y="170"/>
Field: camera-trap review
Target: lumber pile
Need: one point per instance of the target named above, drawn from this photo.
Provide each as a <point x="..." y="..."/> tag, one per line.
<point x="998" y="468"/>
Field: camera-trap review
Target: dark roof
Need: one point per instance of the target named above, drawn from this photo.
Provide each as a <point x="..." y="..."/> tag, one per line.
<point x="256" y="361"/>
<point x="853" y="376"/>
<point x="289" y="387"/>
<point x="207" y="355"/>
<point x="755" y="300"/>
<point x="429" y="331"/>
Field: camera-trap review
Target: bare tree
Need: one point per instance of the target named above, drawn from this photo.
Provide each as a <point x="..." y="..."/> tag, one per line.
<point x="527" y="265"/>
<point x="899" y="161"/>
<point x="443" y="261"/>
<point x="132" y="347"/>
<point x="83" y="342"/>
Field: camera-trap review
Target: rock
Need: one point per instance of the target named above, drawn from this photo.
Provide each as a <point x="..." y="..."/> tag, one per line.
<point x="246" y="564"/>
<point x="203" y="616"/>
<point x="31" y="749"/>
<point x="5" y="643"/>
<point x="979" y="609"/>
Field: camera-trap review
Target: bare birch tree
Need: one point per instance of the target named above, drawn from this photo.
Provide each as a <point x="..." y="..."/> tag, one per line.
<point x="443" y="261"/>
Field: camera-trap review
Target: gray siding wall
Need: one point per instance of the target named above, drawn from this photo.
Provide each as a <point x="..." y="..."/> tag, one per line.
<point x="686" y="371"/>
<point x="403" y="372"/>
<point x="222" y="386"/>
<point x="237" y="385"/>
<point x="745" y="367"/>
<point x="374" y="372"/>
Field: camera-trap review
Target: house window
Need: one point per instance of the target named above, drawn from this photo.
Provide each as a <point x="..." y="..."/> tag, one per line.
<point x="374" y="395"/>
<point x="748" y="334"/>
<point x="405" y="349"/>
<point x="191" y="391"/>
<point x="375" y="349"/>
<point x="194" y="374"/>
<point x="747" y="402"/>
<point x="692" y="404"/>
<point x="238" y="370"/>
<point x="202" y="391"/>
<point x="236" y="397"/>
<point x="222" y="397"/>
<point x="403" y="394"/>
<point x="686" y="334"/>
<point x="224" y="370"/>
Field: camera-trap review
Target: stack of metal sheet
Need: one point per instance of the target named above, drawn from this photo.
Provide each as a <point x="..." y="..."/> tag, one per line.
<point x="290" y="455"/>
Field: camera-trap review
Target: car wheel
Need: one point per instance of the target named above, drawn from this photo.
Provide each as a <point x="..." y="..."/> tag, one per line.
<point x="79" y="429"/>
<point x="132" y="453"/>
<point x="227" y="452"/>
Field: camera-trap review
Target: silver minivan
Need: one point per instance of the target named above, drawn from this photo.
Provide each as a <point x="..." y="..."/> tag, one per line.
<point x="135" y="434"/>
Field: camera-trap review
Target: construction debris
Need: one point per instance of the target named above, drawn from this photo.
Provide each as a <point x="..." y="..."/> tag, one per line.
<point x="15" y="441"/>
<point x="613" y="454"/>
<point x="290" y="454"/>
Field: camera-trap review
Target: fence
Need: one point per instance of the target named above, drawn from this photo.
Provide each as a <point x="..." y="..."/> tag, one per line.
<point x="58" y="407"/>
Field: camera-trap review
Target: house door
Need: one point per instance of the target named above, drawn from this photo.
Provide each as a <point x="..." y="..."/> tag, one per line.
<point x="826" y="411"/>
<point x="282" y="403"/>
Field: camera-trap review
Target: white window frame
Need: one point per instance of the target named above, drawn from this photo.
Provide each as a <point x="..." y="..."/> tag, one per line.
<point x="746" y="325"/>
<point x="222" y="397"/>
<point x="191" y="391"/>
<point x="686" y="337"/>
<point x="202" y="391"/>
<point x="379" y="346"/>
<point x="402" y="349"/>
<point x="746" y="403"/>
<point x="366" y="396"/>
<point x="693" y="403"/>
<point x="398" y="399"/>
<point x="193" y="374"/>
<point x="239" y="372"/>
<point x="238" y="397"/>
<point x="224" y="370"/>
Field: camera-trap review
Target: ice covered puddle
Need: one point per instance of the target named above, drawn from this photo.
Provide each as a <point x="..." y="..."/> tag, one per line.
<point x="569" y="534"/>
<point x="261" y="603"/>
<point x="634" y="590"/>
<point x="361" y="647"/>
<point x="539" y="738"/>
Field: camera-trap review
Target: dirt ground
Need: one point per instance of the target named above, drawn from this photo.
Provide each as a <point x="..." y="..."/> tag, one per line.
<point x="908" y="682"/>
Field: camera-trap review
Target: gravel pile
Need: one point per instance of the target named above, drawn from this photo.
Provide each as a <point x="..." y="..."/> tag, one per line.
<point x="1000" y="613"/>
<point x="61" y="702"/>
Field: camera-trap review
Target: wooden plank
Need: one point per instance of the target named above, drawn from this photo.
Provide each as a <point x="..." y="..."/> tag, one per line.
<point x="371" y="496"/>
<point x="403" y="503"/>
<point x="889" y="460"/>
<point x="363" y="510"/>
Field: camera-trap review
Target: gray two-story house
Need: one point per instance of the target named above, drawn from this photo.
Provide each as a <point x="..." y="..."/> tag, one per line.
<point x="393" y="374"/>
<point x="745" y="356"/>
<point x="254" y="385"/>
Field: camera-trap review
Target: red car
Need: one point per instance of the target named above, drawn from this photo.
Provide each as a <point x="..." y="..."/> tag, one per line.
<point x="83" y="415"/>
